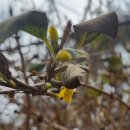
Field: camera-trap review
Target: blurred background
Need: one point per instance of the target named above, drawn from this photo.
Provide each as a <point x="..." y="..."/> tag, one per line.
<point x="109" y="65"/>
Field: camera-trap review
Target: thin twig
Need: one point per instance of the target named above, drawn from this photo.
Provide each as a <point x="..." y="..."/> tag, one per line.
<point x="57" y="70"/>
<point x="87" y="8"/>
<point x="23" y="86"/>
<point x="109" y="95"/>
<point x="65" y="34"/>
<point x="28" y="106"/>
<point x="38" y="84"/>
<point x="8" y="91"/>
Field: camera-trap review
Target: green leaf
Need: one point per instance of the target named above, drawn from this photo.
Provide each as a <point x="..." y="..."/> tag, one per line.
<point x="4" y="66"/>
<point x="49" y="46"/>
<point x="76" y="53"/>
<point x="100" y="42"/>
<point x="106" y="24"/>
<point x="86" y="38"/>
<point x="34" y="23"/>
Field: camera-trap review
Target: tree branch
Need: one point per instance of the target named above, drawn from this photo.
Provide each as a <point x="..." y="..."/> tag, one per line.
<point x="28" y="103"/>
<point x="8" y="91"/>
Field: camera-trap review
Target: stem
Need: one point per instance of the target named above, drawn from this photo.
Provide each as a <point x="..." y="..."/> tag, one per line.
<point x="27" y="97"/>
<point x="109" y="95"/>
<point x="8" y="91"/>
<point x="48" y="45"/>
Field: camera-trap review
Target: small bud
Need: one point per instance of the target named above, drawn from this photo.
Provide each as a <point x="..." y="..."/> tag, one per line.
<point x="12" y="84"/>
<point x="11" y="95"/>
<point x="47" y="85"/>
<point x="43" y="76"/>
<point x="53" y="38"/>
<point x="1" y="80"/>
<point x="63" y="56"/>
<point x="53" y="33"/>
<point x="34" y="73"/>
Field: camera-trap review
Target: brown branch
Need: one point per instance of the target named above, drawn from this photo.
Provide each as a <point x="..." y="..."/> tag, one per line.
<point x="109" y="95"/>
<point x="87" y="8"/>
<point x="8" y="91"/>
<point x="65" y="34"/>
<point x="28" y="103"/>
<point x="57" y="70"/>
<point x="20" y="86"/>
<point x="23" y="86"/>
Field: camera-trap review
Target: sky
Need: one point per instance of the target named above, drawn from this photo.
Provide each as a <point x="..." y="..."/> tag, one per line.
<point x="73" y="9"/>
<point x="39" y="3"/>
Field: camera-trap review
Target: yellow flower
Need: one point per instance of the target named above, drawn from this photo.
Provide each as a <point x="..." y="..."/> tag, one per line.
<point x="66" y="94"/>
<point x="63" y="56"/>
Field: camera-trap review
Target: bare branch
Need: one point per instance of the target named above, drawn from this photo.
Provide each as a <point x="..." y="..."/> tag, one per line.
<point x="8" y="91"/>
<point x="107" y="94"/>
<point x="28" y="106"/>
<point x="87" y="8"/>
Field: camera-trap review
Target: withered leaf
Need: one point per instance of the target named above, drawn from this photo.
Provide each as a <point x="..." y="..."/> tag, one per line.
<point x="73" y="76"/>
<point x="4" y="66"/>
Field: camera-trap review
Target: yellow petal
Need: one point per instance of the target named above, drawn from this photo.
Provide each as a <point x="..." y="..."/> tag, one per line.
<point x="67" y="99"/>
<point x="66" y="94"/>
<point x="61" y="94"/>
